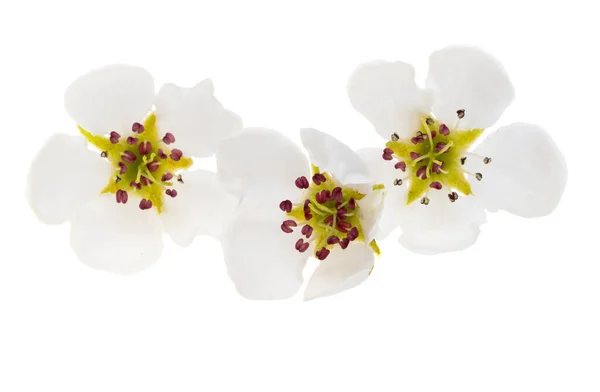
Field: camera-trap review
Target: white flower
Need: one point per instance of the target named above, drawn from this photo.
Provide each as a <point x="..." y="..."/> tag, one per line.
<point x="288" y="211"/>
<point x="122" y="197"/>
<point x="518" y="168"/>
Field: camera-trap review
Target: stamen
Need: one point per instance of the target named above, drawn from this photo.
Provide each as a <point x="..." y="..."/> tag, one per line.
<point x="137" y="127"/>
<point x="453" y="196"/>
<point x="161" y="154"/>
<point x="387" y="154"/>
<point x="444" y="130"/>
<point x="414" y="155"/>
<point x="436" y="185"/>
<point x="302" y="246"/>
<point x="463" y="160"/>
<point x="429" y="121"/>
<point x="145" y="181"/>
<point x="114" y="137"/>
<point x="176" y="154"/>
<point x="319" y="178"/>
<point x="337" y="194"/>
<point x="344" y="243"/>
<point x="117" y="179"/>
<point x="171" y="192"/>
<point x="353" y="234"/>
<point x="307" y="230"/>
<point x="145" y="204"/>
<point x="168" y="138"/>
<point x="145" y="148"/>
<point x="323" y="196"/>
<point x="341" y="213"/>
<point x="302" y="182"/>
<point x="285" y="206"/>
<point x="322" y="254"/>
<point x="135" y="185"/>
<point x="307" y="215"/>
<point x="425" y="200"/>
<point x="441" y="146"/>
<point x="287" y="225"/>
<point x="400" y="165"/>
<point x="437" y="167"/>
<point x="180" y="178"/>
<point x="104" y="154"/>
<point x="128" y="156"/>
<point x="417" y="139"/>
<point x="333" y="240"/>
<point x="460" y="113"/>
<point x="153" y="166"/>
<point x="352" y="203"/>
<point x="167" y="176"/>
<point x="121" y="196"/>
<point x="478" y="176"/>
<point x="132" y="140"/>
<point x="487" y="160"/>
<point x="344" y="227"/>
<point x="422" y="172"/>
<point x="395" y="137"/>
<point x="398" y="181"/>
<point x="329" y="220"/>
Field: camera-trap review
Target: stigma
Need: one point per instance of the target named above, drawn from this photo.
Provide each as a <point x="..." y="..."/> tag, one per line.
<point x="432" y="160"/>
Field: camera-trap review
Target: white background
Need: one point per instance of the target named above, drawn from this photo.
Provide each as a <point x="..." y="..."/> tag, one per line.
<point x="519" y="311"/>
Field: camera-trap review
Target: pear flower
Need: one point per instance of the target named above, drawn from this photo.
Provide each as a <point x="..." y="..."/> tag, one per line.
<point x="288" y="212"/>
<point x="124" y="179"/>
<point x="441" y="183"/>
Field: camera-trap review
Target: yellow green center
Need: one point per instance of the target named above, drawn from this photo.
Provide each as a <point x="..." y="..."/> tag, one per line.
<point x="143" y="164"/>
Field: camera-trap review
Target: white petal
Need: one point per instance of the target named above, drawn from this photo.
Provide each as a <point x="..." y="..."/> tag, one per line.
<point x="111" y="98"/>
<point x="340" y="271"/>
<point x="387" y="95"/>
<point x="114" y="237"/>
<point x="261" y="164"/>
<point x="333" y="156"/>
<point x="441" y="226"/>
<point x="63" y="176"/>
<point x="527" y="175"/>
<point x="202" y="206"/>
<point x="195" y="117"/>
<point x="261" y="259"/>
<point x="395" y="196"/>
<point x="470" y="79"/>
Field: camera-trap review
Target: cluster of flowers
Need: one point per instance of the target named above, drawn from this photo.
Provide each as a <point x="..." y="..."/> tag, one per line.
<point x="125" y="178"/>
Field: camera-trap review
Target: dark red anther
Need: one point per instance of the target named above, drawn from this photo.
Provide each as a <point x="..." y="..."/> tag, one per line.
<point x="145" y="181"/>
<point x="168" y="138"/>
<point x="414" y="155"/>
<point x="167" y="176"/>
<point x="437" y="169"/>
<point x="114" y="137"/>
<point x="285" y="206"/>
<point x="287" y="225"/>
<point x="302" y="182"/>
<point x="422" y="172"/>
<point x="171" y="192"/>
<point x="299" y="243"/>
<point x="440" y="146"/>
<point x="333" y="240"/>
<point x="400" y="165"/>
<point x="337" y="194"/>
<point x="318" y="179"/>
<point x="344" y="226"/>
<point x="137" y="127"/>
<point x="433" y="134"/>
<point x="135" y="185"/>
<point x="352" y="234"/>
<point x="352" y="203"/>
<point x="132" y="140"/>
<point x="161" y="154"/>
<point x="322" y="254"/>
<point x="145" y="148"/>
<point x="176" y="154"/>
<point x="307" y="214"/>
<point x="341" y="213"/>
<point x="387" y="154"/>
<point x="329" y="220"/>
<point x="128" y="156"/>
<point x="153" y="166"/>
<point x="307" y="230"/>
<point x="121" y="196"/>
<point x="436" y="185"/>
<point x="122" y="168"/>
<point x="444" y="130"/>
<point x="303" y="247"/>
<point x="145" y="204"/>
<point x="344" y="243"/>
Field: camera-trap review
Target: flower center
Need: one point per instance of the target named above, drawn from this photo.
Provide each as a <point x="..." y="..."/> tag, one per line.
<point x="328" y="215"/>
<point x="144" y="166"/>
<point x="433" y="159"/>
